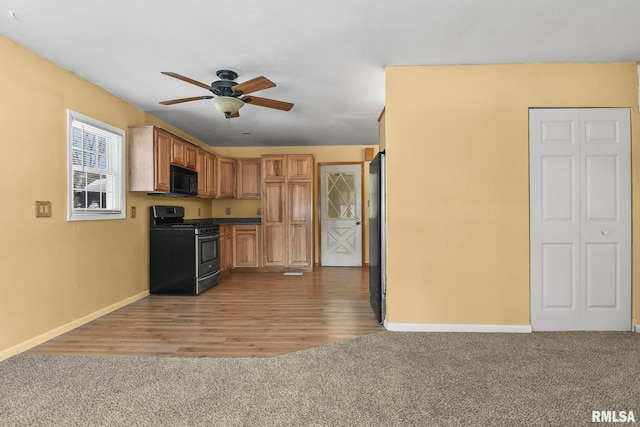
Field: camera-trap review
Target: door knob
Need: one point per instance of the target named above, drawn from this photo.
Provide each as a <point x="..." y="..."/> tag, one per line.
<point x="357" y="220"/>
<point x="604" y="232"/>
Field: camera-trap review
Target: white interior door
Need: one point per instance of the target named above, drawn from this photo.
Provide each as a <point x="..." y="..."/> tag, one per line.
<point x="341" y="216"/>
<point x="580" y="201"/>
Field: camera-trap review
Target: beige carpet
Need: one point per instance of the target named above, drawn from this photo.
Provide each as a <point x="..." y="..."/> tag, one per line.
<point x="384" y="379"/>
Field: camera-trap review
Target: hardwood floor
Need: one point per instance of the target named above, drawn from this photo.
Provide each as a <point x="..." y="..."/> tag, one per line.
<point x="247" y="314"/>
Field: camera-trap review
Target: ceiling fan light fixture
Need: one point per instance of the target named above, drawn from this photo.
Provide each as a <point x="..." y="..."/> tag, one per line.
<point x="227" y="104"/>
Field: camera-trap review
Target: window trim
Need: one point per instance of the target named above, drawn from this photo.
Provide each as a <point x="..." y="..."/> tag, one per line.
<point x="90" y="216"/>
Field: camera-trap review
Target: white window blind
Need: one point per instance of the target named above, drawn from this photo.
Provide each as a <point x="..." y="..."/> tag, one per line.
<point x="96" y="178"/>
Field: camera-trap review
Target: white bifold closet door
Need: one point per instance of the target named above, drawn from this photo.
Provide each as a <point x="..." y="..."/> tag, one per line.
<point x="580" y="218"/>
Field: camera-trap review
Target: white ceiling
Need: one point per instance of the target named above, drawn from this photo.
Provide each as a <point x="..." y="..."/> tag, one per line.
<point x="327" y="56"/>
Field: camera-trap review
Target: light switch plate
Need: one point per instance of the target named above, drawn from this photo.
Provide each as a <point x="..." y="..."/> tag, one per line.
<point x="43" y="209"/>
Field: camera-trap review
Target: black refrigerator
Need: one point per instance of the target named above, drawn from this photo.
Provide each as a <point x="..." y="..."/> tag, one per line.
<point x="377" y="241"/>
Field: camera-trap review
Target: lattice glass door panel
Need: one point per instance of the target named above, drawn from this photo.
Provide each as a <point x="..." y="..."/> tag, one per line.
<point x="340" y="195"/>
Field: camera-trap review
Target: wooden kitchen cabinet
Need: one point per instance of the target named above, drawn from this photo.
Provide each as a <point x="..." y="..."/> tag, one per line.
<point x="226" y="248"/>
<point x="299" y="166"/>
<point x="211" y="177"/>
<point x="246" y="246"/>
<point x="273" y="224"/>
<point x="190" y="152"/>
<point x="273" y="168"/>
<point x="201" y="168"/>
<point x="183" y="153"/>
<point x="226" y="187"/>
<point x="287" y="203"/>
<point x="205" y="166"/>
<point x="149" y="159"/>
<point x="299" y="239"/>
<point x="249" y="178"/>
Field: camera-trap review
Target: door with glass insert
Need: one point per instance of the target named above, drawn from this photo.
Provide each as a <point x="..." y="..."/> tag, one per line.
<point x="341" y="216"/>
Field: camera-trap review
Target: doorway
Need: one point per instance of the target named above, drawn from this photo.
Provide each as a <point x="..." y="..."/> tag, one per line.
<point x="341" y="229"/>
<point x="580" y="219"/>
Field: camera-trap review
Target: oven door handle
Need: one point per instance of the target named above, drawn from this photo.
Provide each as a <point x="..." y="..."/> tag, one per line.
<point x="208" y="236"/>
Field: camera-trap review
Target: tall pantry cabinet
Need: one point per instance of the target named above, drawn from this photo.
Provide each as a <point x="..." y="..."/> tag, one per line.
<point x="287" y="203"/>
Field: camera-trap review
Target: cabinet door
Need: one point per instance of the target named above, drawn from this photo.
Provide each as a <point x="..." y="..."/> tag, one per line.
<point x="190" y="154"/>
<point x="273" y="168"/>
<point x="177" y="152"/>
<point x="299" y="224"/>
<point x="299" y="166"/>
<point x="228" y="257"/>
<point x="245" y="246"/>
<point x="201" y="168"/>
<point x="226" y="248"/>
<point x="223" y="231"/>
<point x="162" y="153"/>
<point x="211" y="175"/>
<point x="273" y="224"/>
<point x="226" y="177"/>
<point x="249" y="178"/>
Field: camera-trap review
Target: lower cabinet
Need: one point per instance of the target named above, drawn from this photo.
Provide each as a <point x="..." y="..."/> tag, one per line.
<point x="226" y="248"/>
<point x="246" y="246"/>
<point x="239" y="247"/>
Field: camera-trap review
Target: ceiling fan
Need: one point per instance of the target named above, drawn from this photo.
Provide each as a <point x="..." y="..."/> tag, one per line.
<point x="230" y="96"/>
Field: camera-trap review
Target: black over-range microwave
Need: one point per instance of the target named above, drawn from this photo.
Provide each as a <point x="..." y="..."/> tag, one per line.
<point x="184" y="182"/>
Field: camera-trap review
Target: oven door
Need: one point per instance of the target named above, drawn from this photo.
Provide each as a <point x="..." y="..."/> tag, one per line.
<point x="207" y="254"/>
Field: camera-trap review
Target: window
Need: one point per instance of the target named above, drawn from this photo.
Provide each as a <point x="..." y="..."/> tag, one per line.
<point x="341" y="195"/>
<point x="96" y="169"/>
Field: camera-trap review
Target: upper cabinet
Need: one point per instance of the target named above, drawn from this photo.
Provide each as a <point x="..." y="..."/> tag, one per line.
<point x="183" y="153"/>
<point x="249" y="178"/>
<point x="149" y="158"/>
<point x="151" y="152"/>
<point x="226" y="187"/>
<point x="273" y="168"/>
<point x="299" y="166"/>
<point x="205" y="165"/>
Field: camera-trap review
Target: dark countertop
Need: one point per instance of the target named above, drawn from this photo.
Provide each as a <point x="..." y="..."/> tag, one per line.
<point x="238" y="221"/>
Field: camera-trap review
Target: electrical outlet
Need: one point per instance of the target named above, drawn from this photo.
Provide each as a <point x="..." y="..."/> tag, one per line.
<point x="133" y="212"/>
<point x="227" y="211"/>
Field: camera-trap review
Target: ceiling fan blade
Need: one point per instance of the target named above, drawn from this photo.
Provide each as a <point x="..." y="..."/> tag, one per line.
<point x="186" y="79"/>
<point x="254" y="85"/>
<point x="270" y="103"/>
<point x="177" y="101"/>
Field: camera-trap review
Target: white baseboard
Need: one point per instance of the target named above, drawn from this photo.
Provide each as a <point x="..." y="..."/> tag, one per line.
<point x="30" y="343"/>
<point x="635" y="328"/>
<point x="441" y="327"/>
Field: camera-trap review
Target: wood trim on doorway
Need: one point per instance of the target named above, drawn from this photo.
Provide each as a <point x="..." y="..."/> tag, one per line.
<point x="319" y="201"/>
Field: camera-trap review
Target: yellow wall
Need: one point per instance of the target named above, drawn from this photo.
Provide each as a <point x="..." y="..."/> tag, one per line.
<point x="458" y="181"/>
<point x="56" y="274"/>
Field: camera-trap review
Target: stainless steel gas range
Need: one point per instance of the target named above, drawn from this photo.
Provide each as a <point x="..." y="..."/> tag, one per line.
<point x="184" y="255"/>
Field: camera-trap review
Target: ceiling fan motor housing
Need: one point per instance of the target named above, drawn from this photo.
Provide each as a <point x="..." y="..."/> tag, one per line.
<point x="225" y="88"/>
